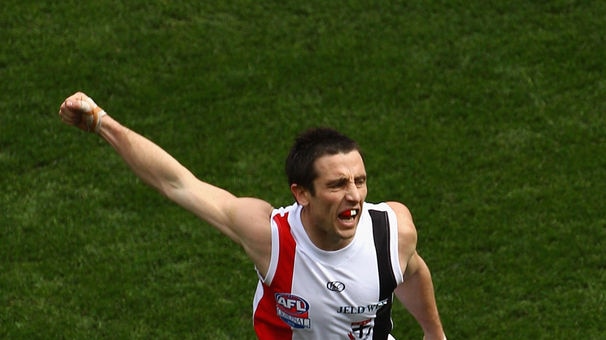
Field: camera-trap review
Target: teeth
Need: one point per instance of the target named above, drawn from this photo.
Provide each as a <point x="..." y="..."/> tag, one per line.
<point x="349" y="213"/>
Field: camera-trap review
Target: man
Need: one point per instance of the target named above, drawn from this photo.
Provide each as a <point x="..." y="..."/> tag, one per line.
<point x="329" y="264"/>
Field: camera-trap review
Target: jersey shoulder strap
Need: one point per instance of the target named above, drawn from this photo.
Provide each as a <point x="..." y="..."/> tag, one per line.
<point x="380" y="230"/>
<point x="387" y="280"/>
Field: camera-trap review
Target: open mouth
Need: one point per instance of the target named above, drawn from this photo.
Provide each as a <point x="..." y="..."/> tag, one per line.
<point x="349" y="214"/>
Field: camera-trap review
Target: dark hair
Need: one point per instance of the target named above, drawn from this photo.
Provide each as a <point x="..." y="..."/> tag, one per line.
<point x="311" y="145"/>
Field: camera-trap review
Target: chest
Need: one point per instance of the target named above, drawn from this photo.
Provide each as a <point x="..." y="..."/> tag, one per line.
<point x="347" y="290"/>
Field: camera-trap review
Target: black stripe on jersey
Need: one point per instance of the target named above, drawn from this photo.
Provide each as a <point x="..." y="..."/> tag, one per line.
<point x="387" y="280"/>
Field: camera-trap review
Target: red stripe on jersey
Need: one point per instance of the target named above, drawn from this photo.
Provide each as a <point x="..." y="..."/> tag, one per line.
<point x="267" y="324"/>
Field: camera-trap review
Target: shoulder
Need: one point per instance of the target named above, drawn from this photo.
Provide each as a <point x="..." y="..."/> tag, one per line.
<point x="402" y="214"/>
<point x="405" y="222"/>
<point x="249" y="220"/>
<point x="407" y="232"/>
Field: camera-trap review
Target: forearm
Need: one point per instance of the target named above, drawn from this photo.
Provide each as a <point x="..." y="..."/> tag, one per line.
<point x="151" y="163"/>
<point x="417" y="295"/>
<point x="160" y="170"/>
<point x="147" y="160"/>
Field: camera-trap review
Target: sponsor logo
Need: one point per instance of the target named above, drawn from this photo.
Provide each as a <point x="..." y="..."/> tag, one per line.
<point x="372" y="308"/>
<point x="335" y="286"/>
<point x="293" y="310"/>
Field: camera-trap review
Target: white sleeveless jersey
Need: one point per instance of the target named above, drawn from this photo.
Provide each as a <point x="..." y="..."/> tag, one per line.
<point x="309" y="293"/>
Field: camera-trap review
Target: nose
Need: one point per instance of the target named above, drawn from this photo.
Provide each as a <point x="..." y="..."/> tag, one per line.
<point x="353" y="193"/>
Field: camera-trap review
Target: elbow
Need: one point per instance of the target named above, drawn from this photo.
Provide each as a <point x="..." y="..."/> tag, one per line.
<point x="171" y="189"/>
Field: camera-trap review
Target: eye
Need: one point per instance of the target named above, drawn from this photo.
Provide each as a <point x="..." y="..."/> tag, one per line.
<point x="337" y="184"/>
<point x="360" y="181"/>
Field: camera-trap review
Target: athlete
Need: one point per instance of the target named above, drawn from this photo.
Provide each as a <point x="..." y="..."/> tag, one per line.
<point x="329" y="264"/>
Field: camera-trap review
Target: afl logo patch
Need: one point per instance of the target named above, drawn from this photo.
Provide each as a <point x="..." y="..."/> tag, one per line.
<point x="293" y="310"/>
<point x="335" y="286"/>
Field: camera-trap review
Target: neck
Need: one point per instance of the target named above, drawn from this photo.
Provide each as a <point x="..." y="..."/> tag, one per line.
<point x="320" y="237"/>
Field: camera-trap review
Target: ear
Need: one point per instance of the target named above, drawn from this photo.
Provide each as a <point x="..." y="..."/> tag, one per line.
<point x="300" y="194"/>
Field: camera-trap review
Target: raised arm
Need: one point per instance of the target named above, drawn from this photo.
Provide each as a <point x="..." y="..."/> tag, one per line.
<point x="244" y="220"/>
<point x="416" y="292"/>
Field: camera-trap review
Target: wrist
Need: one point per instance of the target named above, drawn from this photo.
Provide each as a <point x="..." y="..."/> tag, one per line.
<point x="97" y="121"/>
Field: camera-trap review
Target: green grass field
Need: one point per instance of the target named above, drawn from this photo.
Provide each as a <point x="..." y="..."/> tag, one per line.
<point x="487" y="118"/>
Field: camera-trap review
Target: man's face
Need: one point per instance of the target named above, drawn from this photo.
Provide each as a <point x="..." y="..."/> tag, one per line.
<point x="331" y="215"/>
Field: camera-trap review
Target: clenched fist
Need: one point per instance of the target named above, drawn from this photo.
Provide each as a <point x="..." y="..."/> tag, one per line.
<point x="81" y="111"/>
